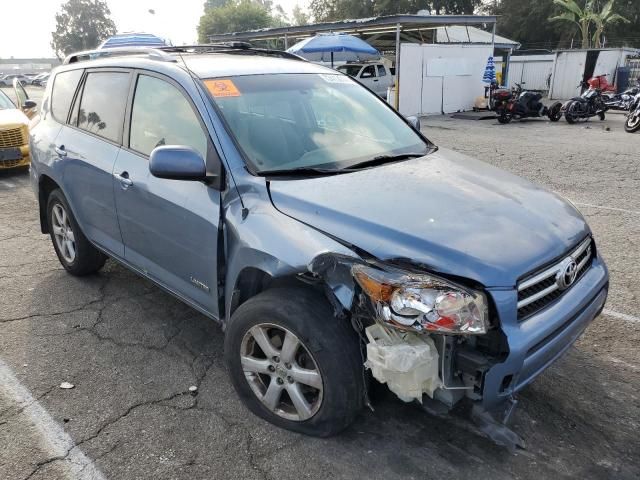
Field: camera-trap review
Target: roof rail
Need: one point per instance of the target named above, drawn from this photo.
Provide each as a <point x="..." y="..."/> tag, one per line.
<point x="230" y="47"/>
<point x="153" y="53"/>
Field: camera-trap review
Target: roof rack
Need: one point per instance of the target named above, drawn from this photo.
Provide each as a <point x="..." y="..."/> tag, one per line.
<point x="153" y="53"/>
<point x="164" y="53"/>
<point x="230" y="47"/>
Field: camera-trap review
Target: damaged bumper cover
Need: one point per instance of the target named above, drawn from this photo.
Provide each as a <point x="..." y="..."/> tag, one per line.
<point x="486" y="365"/>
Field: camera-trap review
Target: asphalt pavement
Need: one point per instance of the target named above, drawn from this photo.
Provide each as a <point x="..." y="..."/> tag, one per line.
<point x="132" y="352"/>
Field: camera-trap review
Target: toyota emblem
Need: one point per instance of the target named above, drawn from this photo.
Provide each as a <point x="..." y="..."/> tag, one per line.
<point x="567" y="273"/>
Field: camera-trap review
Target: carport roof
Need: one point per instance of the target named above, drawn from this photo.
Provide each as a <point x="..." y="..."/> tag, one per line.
<point x="361" y="25"/>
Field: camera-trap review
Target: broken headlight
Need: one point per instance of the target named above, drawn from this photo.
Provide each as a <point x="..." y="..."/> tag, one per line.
<point x="422" y="302"/>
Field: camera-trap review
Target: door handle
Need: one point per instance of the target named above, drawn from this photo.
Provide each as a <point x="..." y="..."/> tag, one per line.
<point x="375" y="80"/>
<point x="124" y="180"/>
<point x="61" y="151"/>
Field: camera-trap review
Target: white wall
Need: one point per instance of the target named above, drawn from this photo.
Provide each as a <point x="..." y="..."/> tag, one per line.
<point x="441" y="78"/>
<point x="532" y="70"/>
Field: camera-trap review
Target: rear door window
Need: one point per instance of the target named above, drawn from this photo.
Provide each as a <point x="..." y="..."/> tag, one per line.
<point x="162" y="115"/>
<point x="64" y="86"/>
<point x="104" y="98"/>
<point x="381" y="71"/>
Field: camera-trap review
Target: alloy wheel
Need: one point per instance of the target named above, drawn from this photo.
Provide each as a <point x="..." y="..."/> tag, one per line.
<point x="281" y="372"/>
<point x="63" y="233"/>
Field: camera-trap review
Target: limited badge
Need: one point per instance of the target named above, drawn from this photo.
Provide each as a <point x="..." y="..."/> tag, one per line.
<point x="222" y="88"/>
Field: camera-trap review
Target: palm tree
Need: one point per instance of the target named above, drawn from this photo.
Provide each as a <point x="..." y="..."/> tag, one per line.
<point x="603" y="18"/>
<point x="582" y="17"/>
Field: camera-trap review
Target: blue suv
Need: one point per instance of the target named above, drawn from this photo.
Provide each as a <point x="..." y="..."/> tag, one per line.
<point x="334" y="244"/>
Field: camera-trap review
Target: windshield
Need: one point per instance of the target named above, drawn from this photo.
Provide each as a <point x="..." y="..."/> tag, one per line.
<point x="297" y="121"/>
<point x="5" y="101"/>
<point x="351" y="70"/>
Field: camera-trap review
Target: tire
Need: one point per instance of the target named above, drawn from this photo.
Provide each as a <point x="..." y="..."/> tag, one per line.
<point x="568" y="115"/>
<point x="601" y="116"/>
<point x="555" y="112"/>
<point x="328" y="346"/>
<point x="632" y="123"/>
<point x="74" y="251"/>
<point x="504" y="117"/>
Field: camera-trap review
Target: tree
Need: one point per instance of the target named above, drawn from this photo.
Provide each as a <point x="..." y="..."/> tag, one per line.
<point x="579" y="16"/>
<point x="299" y="16"/>
<point x="329" y="10"/>
<point x="81" y="25"/>
<point x="604" y="18"/>
<point x="235" y="16"/>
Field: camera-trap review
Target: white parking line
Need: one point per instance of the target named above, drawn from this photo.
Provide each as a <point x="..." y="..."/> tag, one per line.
<point x="56" y="442"/>
<point x="621" y="316"/>
<point x="607" y="208"/>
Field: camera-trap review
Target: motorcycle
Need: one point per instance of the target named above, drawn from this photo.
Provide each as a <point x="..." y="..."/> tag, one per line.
<point x="523" y="104"/>
<point x="587" y="105"/>
<point x="632" y="123"/>
<point x="600" y="82"/>
<point x="622" y="101"/>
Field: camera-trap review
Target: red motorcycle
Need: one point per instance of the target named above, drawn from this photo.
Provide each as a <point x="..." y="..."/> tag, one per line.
<point x="601" y="83"/>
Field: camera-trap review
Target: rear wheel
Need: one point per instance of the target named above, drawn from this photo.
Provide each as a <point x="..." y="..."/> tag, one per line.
<point x="293" y="363"/>
<point x="74" y="251"/>
<point x="632" y="124"/>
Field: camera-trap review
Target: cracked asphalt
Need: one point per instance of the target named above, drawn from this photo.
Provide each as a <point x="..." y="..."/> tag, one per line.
<point x="132" y="352"/>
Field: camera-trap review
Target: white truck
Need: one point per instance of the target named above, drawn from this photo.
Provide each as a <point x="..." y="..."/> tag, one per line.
<point x="375" y="76"/>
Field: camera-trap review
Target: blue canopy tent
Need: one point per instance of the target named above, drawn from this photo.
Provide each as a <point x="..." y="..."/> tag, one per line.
<point x="338" y="47"/>
<point x="134" y="40"/>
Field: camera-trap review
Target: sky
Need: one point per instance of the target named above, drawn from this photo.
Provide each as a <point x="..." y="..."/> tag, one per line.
<point x="27" y="25"/>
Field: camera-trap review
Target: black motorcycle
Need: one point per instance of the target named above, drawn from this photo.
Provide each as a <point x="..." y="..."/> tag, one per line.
<point x="525" y="104"/>
<point x="587" y="105"/>
<point x="632" y="123"/>
<point x="622" y="101"/>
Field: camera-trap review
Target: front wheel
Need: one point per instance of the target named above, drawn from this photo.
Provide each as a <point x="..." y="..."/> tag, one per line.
<point x="75" y="252"/>
<point x="555" y="112"/>
<point x="293" y="363"/>
<point x="632" y="124"/>
<point x="504" y="117"/>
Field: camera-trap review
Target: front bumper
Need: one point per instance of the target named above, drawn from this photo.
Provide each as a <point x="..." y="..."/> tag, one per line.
<point x="538" y="341"/>
<point x="22" y="162"/>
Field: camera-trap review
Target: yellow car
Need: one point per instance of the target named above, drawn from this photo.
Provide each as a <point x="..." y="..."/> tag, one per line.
<point x="14" y="128"/>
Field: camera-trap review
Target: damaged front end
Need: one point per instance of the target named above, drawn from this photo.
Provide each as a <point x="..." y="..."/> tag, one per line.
<point x="429" y="339"/>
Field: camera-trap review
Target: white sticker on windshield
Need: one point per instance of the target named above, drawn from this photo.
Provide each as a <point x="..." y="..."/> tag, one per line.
<point x="330" y="78"/>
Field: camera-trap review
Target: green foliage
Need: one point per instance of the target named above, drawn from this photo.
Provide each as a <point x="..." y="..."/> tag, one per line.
<point x="233" y="16"/>
<point x="528" y="22"/>
<point x="329" y="10"/>
<point x="81" y="25"/>
<point x="299" y="16"/>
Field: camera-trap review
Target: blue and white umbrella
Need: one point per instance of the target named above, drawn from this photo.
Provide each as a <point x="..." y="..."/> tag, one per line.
<point x="338" y="47"/>
<point x="489" y="72"/>
<point x="134" y="39"/>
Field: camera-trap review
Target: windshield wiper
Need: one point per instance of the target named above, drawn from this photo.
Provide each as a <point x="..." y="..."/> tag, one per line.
<point x="299" y="171"/>
<point x="382" y="159"/>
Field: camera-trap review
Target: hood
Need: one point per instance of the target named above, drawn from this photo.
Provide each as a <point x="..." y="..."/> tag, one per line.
<point x="12" y="117"/>
<point x="449" y="212"/>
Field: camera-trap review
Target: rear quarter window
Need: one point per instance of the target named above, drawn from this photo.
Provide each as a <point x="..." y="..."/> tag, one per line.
<point x="64" y="86"/>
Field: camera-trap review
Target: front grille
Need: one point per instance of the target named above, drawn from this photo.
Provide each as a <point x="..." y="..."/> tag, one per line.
<point x="542" y="288"/>
<point x="10" y="163"/>
<point x="13" y="137"/>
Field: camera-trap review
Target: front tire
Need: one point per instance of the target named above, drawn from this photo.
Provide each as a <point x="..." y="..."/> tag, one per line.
<point x="74" y="251"/>
<point x="555" y="112"/>
<point x="632" y="123"/>
<point x="293" y="363"/>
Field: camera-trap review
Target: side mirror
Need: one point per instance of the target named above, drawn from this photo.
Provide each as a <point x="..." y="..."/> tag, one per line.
<point x="29" y="104"/>
<point x="415" y="122"/>
<point x="175" y="162"/>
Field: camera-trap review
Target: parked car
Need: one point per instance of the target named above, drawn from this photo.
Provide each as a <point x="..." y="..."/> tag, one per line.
<point x="319" y="227"/>
<point x="7" y="80"/>
<point x="40" y="80"/>
<point x="14" y="129"/>
<point x="375" y="76"/>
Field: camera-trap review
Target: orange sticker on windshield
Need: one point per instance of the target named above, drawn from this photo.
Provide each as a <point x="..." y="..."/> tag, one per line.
<point x="222" y="88"/>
